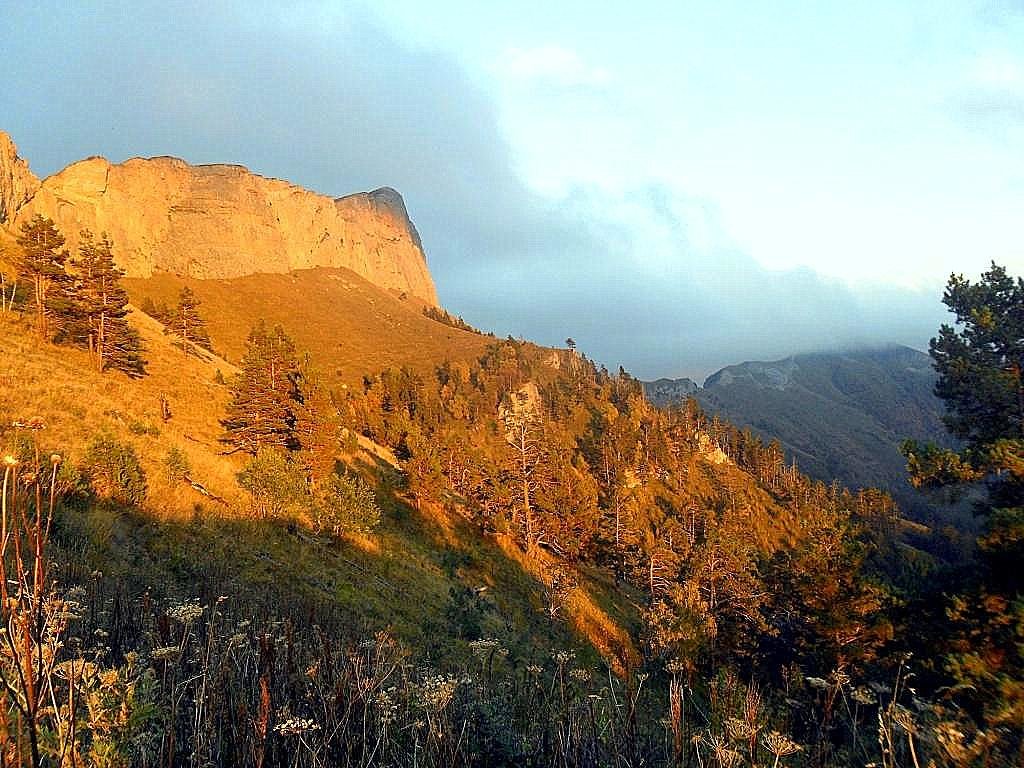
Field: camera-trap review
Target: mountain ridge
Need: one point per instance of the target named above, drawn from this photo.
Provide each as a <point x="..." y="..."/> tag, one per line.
<point x="841" y="415"/>
<point x="218" y="220"/>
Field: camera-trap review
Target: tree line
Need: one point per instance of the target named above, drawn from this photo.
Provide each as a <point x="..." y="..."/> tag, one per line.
<point x="80" y="300"/>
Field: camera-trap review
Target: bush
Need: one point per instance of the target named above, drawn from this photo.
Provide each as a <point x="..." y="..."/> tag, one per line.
<point x="70" y="485"/>
<point x="176" y="464"/>
<point x="113" y="471"/>
<point x="346" y="504"/>
<point x="276" y="484"/>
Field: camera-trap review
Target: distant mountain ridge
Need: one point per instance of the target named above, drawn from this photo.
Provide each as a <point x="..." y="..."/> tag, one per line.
<point x="218" y="221"/>
<point x="840" y="415"/>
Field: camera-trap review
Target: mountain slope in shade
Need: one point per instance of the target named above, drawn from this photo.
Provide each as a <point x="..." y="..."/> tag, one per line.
<point x="218" y="221"/>
<point x="840" y="415"/>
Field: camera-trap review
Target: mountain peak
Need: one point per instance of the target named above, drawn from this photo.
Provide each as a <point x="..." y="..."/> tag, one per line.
<point x="17" y="182"/>
<point x="219" y="221"/>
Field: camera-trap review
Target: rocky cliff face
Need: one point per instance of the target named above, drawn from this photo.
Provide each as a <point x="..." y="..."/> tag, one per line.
<point x="221" y="221"/>
<point x="17" y="182"/>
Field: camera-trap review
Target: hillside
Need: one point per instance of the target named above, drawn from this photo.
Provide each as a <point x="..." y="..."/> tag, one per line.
<point x="350" y="326"/>
<point x="184" y="542"/>
<point x="841" y="416"/>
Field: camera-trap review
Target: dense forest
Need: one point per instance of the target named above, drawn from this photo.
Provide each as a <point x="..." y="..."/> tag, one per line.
<point x="762" y="618"/>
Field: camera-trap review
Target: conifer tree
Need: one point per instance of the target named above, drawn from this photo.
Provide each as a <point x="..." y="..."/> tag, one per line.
<point x="264" y="394"/>
<point x="187" y="323"/>
<point x="42" y="262"/>
<point x="317" y="431"/>
<point x="103" y="305"/>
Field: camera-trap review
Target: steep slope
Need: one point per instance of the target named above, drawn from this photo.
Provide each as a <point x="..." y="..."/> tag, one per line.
<point x="17" y="182"/>
<point x="665" y="392"/>
<point x="840" y="415"/>
<point x="183" y="542"/>
<point x="350" y="326"/>
<point x="219" y="221"/>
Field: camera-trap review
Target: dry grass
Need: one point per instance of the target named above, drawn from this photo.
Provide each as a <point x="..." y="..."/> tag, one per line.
<point x="76" y="402"/>
<point x="394" y="577"/>
<point x="350" y="326"/>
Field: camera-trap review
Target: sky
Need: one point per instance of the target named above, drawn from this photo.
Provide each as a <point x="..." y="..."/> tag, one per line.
<point x="677" y="186"/>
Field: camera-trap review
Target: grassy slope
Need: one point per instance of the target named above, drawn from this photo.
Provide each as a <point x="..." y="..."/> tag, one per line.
<point x="351" y="326"/>
<point x="183" y="544"/>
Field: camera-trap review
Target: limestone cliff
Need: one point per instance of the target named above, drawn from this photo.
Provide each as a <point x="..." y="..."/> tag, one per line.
<point x="17" y="182"/>
<point x="221" y="221"/>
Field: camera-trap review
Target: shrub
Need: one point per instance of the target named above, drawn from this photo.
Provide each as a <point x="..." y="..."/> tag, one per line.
<point x="277" y="484"/>
<point x="142" y="428"/>
<point x="113" y="471"/>
<point x="176" y="464"/>
<point x="70" y="485"/>
<point x="346" y="504"/>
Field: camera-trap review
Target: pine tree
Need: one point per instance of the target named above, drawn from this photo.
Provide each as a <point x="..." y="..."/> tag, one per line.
<point x="103" y="304"/>
<point x="265" y="394"/>
<point x="317" y="431"/>
<point x="187" y="323"/>
<point x="42" y="262"/>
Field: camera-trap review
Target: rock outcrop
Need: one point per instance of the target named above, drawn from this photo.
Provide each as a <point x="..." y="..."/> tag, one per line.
<point x="667" y="392"/>
<point x="17" y="182"/>
<point x="221" y="221"/>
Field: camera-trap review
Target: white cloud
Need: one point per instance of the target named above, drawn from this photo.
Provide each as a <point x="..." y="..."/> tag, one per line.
<point x="997" y="71"/>
<point x="552" y="63"/>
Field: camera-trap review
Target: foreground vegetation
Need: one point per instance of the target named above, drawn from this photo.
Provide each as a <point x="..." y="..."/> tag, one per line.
<point x="513" y="560"/>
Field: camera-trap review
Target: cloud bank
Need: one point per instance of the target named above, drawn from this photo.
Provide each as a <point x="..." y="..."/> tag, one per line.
<point x="332" y="101"/>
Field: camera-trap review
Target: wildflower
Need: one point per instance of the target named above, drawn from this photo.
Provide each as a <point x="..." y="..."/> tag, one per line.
<point x="725" y="756"/>
<point x="11" y="461"/>
<point x="185" y="613"/>
<point x="579" y="675"/>
<point x="738" y="729"/>
<point x="484" y="647"/>
<point x="166" y="653"/>
<point x="563" y="657"/>
<point x="904" y="718"/>
<point x="863" y="696"/>
<point x="779" y="745"/>
<point x="838" y="678"/>
<point x="386" y="705"/>
<point x="534" y="669"/>
<point x="296" y="726"/>
<point x="437" y="692"/>
<point x="675" y="666"/>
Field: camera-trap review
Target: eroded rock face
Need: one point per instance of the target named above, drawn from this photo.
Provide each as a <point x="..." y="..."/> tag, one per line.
<point x="221" y="221"/>
<point x="17" y="182"/>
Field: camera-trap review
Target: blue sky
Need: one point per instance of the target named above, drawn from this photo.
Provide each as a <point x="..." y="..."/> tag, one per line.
<point x="678" y="186"/>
